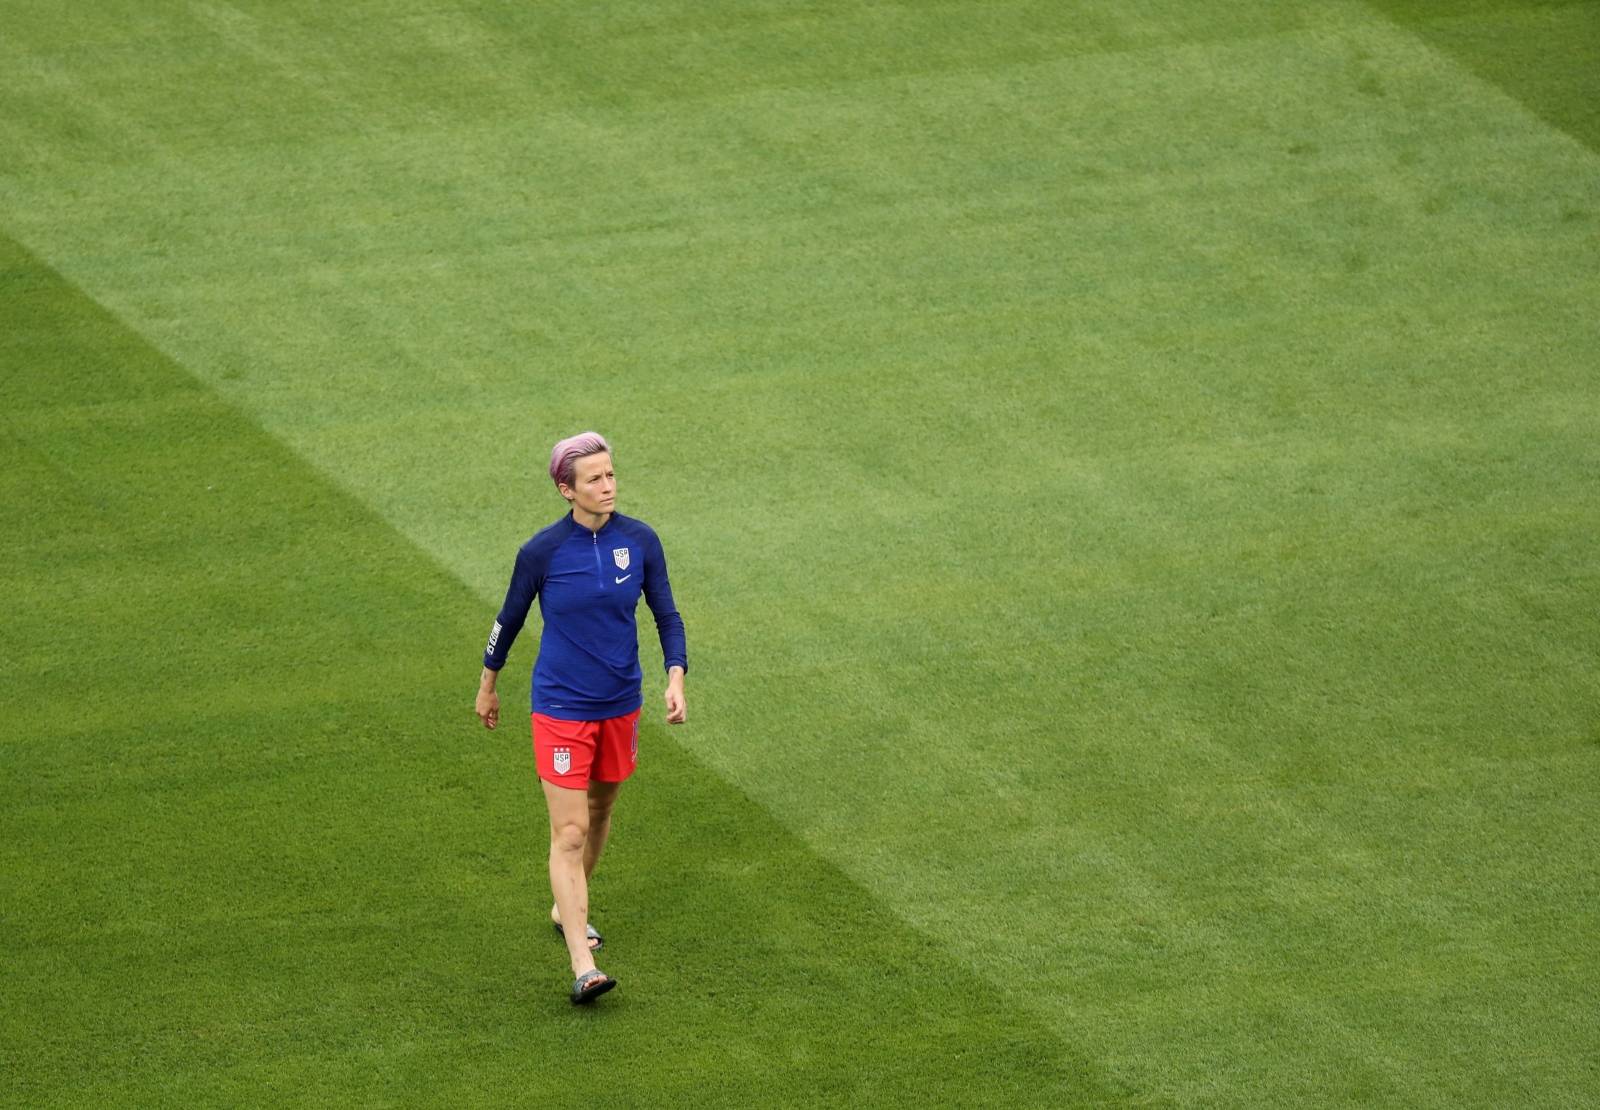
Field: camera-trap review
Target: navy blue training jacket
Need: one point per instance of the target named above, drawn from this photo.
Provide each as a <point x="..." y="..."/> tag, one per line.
<point x="588" y="585"/>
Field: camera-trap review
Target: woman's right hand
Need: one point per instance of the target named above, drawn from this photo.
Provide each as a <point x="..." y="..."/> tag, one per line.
<point x="488" y="708"/>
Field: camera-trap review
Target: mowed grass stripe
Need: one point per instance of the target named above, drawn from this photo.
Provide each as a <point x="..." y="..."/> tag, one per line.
<point x="1544" y="53"/>
<point x="217" y="893"/>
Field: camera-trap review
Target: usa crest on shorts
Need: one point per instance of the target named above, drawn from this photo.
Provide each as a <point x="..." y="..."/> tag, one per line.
<point x="620" y="554"/>
<point x="563" y="760"/>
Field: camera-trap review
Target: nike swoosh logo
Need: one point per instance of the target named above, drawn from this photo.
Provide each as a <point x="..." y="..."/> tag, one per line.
<point x="623" y="579"/>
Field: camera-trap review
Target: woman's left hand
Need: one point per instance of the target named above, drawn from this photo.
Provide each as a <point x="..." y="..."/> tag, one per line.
<point x="676" y="709"/>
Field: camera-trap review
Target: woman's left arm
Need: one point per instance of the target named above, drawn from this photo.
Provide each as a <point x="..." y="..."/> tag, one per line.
<point x="677" y="709"/>
<point x="669" y="627"/>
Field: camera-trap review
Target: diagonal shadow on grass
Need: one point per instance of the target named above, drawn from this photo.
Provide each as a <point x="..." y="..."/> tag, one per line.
<point x="1546" y="54"/>
<point x="255" y="846"/>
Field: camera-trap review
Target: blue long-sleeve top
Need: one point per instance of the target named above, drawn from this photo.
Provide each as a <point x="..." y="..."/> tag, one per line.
<point x="588" y="585"/>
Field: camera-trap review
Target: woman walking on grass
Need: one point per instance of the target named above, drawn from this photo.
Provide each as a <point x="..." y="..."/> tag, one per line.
<point x="588" y="570"/>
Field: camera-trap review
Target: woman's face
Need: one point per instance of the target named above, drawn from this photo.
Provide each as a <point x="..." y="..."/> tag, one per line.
<point x="594" y="484"/>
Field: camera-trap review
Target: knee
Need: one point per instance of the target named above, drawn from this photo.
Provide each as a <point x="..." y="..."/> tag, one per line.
<point x="569" y="836"/>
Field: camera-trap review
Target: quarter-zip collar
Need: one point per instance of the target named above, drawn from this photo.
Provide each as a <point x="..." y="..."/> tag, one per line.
<point x="572" y="522"/>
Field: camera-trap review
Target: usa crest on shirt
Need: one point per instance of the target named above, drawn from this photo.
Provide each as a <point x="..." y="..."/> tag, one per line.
<point x="620" y="554"/>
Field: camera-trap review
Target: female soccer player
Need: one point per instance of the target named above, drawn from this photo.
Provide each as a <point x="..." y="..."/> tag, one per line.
<point x="588" y="570"/>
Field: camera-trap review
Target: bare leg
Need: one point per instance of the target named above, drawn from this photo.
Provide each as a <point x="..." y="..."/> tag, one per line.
<point x="569" y="834"/>
<point x="602" y="799"/>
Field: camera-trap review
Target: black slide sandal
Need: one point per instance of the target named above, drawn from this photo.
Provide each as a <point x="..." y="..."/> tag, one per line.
<point x="599" y="941"/>
<point x="590" y="986"/>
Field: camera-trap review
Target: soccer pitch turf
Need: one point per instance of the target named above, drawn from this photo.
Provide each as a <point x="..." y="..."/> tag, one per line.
<point x="1130" y="476"/>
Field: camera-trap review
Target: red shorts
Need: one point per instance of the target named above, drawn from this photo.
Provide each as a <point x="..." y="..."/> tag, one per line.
<point x="570" y="753"/>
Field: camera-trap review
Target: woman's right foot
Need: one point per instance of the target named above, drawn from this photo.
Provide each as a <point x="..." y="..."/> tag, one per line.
<point x="596" y="941"/>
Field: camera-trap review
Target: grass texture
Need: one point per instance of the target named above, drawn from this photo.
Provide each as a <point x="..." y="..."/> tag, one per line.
<point x="1129" y="473"/>
<point x="252" y="852"/>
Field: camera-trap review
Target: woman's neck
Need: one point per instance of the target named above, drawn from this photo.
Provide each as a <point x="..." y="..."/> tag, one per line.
<point x="592" y="521"/>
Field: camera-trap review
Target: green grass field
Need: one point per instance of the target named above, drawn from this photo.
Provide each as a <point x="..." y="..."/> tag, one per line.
<point x="1131" y="474"/>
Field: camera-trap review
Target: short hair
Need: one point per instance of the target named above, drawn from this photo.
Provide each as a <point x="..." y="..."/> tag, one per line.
<point x="564" y="456"/>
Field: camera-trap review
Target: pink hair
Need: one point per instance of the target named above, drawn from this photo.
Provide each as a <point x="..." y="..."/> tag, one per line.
<point x="564" y="456"/>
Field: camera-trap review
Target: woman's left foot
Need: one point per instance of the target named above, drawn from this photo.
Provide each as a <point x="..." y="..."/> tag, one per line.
<point x="590" y="986"/>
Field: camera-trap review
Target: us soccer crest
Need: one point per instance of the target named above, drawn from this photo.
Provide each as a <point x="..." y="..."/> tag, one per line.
<point x="620" y="554"/>
<point x="563" y="760"/>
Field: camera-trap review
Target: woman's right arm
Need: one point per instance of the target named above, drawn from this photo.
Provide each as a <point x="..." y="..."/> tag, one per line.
<point x="488" y="707"/>
<point x="525" y="582"/>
